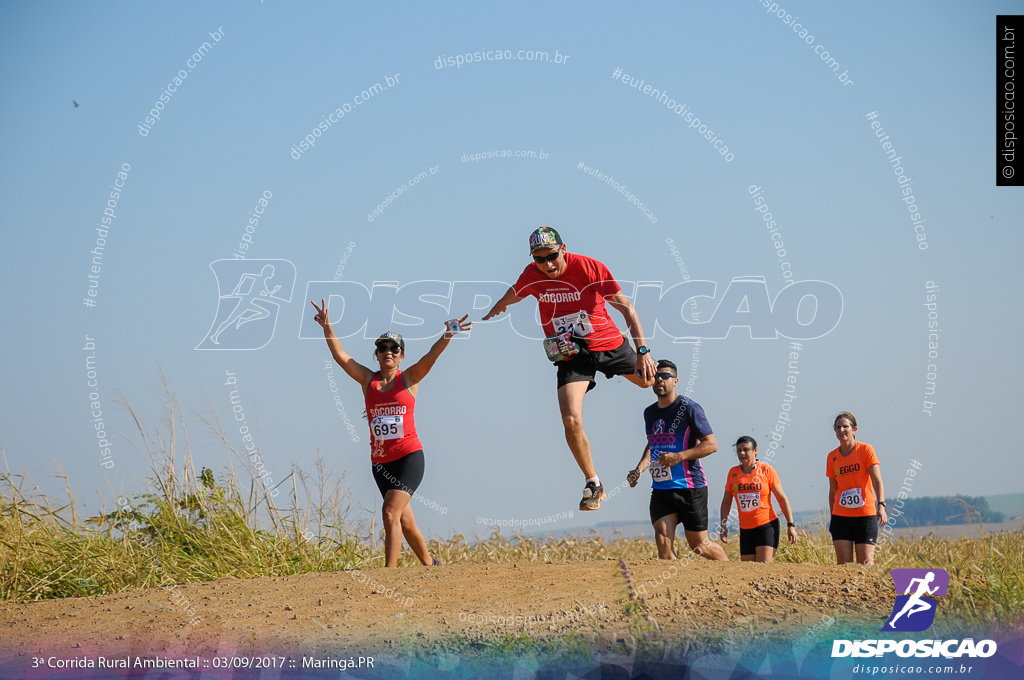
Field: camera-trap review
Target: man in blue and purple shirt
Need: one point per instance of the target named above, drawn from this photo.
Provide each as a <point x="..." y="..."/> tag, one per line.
<point x="678" y="436"/>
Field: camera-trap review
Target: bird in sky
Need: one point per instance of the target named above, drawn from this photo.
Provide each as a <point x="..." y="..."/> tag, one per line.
<point x="75" y="102"/>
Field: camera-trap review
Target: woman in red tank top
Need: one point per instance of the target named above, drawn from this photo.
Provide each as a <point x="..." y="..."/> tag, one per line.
<point x="395" y="450"/>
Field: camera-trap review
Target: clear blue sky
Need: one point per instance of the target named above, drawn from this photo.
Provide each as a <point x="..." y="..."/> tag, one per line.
<point x="487" y="415"/>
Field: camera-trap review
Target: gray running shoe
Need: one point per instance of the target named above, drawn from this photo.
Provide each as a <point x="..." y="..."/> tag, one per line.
<point x="593" y="494"/>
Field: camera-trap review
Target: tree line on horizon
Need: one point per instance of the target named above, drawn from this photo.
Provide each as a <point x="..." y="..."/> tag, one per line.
<point x="959" y="509"/>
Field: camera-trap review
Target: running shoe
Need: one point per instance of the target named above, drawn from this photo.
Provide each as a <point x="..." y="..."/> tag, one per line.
<point x="436" y="562"/>
<point x="593" y="494"/>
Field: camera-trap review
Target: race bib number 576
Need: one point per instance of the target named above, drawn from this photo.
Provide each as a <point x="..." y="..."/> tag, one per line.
<point x="749" y="501"/>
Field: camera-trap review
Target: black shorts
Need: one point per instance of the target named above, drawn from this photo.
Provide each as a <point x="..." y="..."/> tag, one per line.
<point x="690" y="505"/>
<point x="860" y="530"/>
<point x="766" y="534"/>
<point x="404" y="474"/>
<point x="585" y="365"/>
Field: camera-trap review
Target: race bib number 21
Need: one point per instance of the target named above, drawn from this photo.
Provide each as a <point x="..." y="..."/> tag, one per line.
<point x="577" y="323"/>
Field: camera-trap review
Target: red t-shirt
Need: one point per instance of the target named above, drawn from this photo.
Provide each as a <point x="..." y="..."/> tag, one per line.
<point x="575" y="301"/>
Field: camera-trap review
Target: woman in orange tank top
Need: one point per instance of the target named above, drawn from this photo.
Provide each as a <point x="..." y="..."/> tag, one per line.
<point x="396" y="452"/>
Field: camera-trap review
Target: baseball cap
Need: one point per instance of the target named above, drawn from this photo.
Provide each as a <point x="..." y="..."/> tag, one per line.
<point x="391" y="335"/>
<point x="544" y="237"/>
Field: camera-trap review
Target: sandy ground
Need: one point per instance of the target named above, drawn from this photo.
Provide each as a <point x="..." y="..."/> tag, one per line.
<point x="327" y="613"/>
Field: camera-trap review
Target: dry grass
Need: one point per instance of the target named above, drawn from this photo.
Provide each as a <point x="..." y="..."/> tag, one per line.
<point x="521" y="548"/>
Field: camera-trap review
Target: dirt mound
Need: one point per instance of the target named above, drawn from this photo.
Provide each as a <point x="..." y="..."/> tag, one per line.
<point x="377" y="610"/>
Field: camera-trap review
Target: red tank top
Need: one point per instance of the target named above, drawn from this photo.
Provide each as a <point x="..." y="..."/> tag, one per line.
<point x="392" y="424"/>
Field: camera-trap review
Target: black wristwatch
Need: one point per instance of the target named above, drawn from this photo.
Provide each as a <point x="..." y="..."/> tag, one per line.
<point x="790" y="524"/>
<point x="642" y="350"/>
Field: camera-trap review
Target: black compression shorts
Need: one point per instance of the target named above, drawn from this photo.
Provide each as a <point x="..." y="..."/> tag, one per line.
<point x="404" y="474"/>
<point x="860" y="530"/>
<point x="689" y="505"/>
<point x="766" y="534"/>
<point x="586" y="365"/>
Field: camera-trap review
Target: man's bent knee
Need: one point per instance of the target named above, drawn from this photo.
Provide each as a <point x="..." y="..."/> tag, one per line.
<point x="573" y="422"/>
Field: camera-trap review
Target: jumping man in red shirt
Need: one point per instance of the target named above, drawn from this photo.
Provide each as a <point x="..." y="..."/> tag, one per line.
<point x="571" y="291"/>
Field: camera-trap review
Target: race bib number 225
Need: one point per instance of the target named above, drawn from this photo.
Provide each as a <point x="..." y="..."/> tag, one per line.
<point x="659" y="472"/>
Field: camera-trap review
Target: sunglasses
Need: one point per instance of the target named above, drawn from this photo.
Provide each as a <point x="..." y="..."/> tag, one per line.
<point x="541" y="259"/>
<point x="663" y="376"/>
<point x="394" y="349"/>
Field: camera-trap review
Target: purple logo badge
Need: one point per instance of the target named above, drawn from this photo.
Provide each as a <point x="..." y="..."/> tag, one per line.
<point x="915" y="605"/>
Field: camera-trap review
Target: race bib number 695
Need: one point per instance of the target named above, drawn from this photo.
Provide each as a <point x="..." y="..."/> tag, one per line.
<point x="387" y="427"/>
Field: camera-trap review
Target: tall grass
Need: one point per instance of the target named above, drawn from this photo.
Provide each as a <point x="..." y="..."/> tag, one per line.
<point x="187" y="527"/>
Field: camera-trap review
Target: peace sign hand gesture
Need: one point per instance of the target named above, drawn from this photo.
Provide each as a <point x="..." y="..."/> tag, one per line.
<point x="322" y="313"/>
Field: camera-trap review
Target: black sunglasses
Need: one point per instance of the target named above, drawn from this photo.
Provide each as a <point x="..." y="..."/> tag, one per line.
<point x="663" y="376"/>
<point x="541" y="259"/>
<point x="394" y="349"/>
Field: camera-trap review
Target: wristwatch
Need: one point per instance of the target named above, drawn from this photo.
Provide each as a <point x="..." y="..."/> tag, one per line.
<point x="642" y="350"/>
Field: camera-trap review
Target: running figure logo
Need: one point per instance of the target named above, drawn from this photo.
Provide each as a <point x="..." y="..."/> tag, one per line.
<point x="914" y="610"/>
<point x="247" y="316"/>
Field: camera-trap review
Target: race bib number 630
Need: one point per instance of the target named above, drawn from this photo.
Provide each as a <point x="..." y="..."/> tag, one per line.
<point x="852" y="498"/>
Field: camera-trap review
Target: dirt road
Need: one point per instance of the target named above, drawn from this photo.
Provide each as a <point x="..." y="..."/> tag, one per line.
<point x="378" y="610"/>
